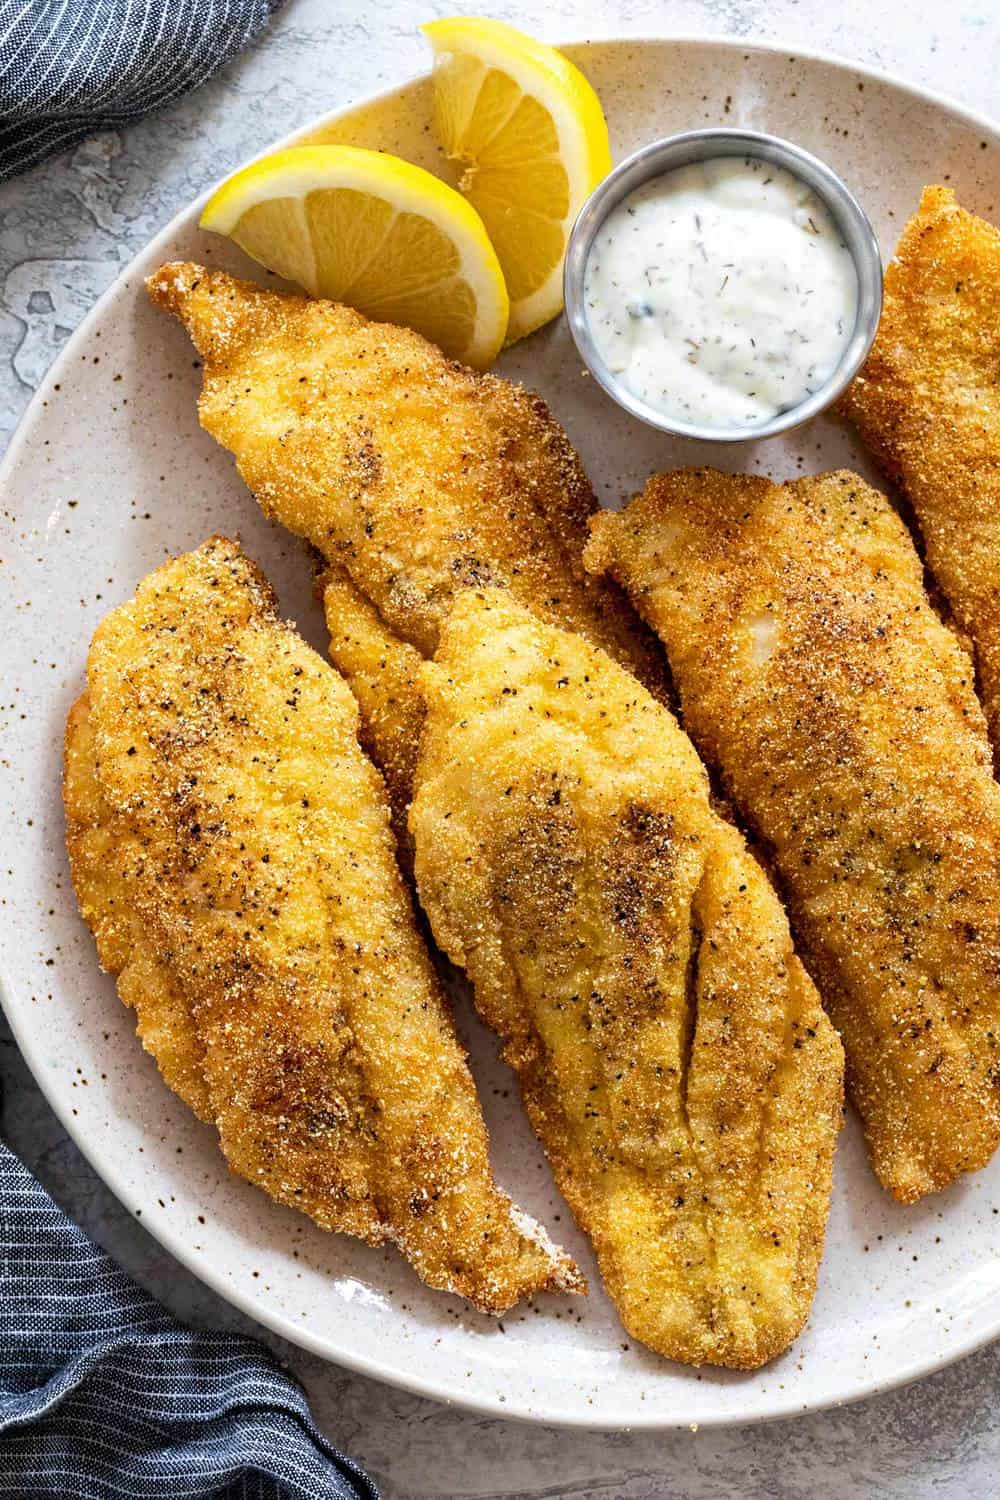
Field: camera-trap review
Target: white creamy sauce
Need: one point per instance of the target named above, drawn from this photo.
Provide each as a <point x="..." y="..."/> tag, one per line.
<point x="721" y="293"/>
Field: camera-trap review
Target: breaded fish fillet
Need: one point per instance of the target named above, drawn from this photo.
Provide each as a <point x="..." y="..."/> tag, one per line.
<point x="927" y="403"/>
<point x="670" y="1047"/>
<point x="815" y="675"/>
<point x="231" y="850"/>
<point x="412" y="475"/>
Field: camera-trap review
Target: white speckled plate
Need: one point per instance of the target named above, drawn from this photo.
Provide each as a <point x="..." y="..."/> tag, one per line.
<point x="108" y="474"/>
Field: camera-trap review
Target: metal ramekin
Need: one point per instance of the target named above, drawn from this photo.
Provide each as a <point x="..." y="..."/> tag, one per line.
<point x="700" y="145"/>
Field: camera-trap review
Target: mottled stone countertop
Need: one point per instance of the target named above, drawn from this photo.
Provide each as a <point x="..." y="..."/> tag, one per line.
<point x="66" y="229"/>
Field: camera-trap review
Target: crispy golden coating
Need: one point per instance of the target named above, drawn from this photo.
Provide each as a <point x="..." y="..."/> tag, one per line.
<point x="840" y="712"/>
<point x="104" y="856"/>
<point x="927" y="403"/>
<point x="230" y="846"/>
<point x="670" y="1047"/>
<point x="412" y="475"/>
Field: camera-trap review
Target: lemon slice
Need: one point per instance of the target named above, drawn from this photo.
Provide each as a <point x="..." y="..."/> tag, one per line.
<point x="365" y="228"/>
<point x="531" y="135"/>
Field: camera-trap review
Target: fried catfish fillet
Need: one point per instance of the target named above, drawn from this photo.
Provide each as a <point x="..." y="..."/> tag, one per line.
<point x="840" y="712"/>
<point x="230" y="848"/>
<point x="670" y="1047"/>
<point x="927" y="403"/>
<point x="412" y="475"/>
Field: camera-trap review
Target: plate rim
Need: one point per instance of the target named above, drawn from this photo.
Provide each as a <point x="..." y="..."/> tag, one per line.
<point x="173" y="1242"/>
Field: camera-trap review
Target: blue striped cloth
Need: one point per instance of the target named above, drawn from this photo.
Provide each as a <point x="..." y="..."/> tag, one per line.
<point x="70" y="67"/>
<point x="104" y="1396"/>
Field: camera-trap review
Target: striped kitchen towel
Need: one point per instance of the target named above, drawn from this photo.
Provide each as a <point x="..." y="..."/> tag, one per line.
<point x="70" y="67"/>
<point x="104" y="1396"/>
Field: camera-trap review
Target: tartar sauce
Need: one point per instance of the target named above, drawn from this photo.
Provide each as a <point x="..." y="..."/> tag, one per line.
<point x="721" y="293"/>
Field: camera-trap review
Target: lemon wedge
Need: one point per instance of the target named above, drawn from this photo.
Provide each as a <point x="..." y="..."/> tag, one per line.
<point x="532" y="138"/>
<point x="368" y="229"/>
